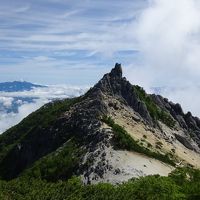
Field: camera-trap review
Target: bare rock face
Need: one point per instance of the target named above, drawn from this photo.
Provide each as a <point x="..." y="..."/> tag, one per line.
<point x="184" y="141"/>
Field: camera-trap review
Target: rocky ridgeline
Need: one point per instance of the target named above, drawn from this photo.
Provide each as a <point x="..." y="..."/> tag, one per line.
<point x="189" y="123"/>
<point x="83" y="120"/>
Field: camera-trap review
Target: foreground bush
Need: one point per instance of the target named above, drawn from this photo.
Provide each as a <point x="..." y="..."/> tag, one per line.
<point x="181" y="184"/>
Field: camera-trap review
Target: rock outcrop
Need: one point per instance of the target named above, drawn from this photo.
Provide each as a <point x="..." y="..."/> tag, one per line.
<point x="189" y="123"/>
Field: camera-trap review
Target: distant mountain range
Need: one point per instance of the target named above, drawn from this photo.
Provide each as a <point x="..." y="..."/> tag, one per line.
<point x="18" y="86"/>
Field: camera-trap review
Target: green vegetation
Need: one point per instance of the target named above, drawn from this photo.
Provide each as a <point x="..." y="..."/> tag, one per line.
<point x="181" y="184"/>
<point x="39" y="119"/>
<point x="58" y="165"/>
<point x="123" y="140"/>
<point x="39" y="124"/>
<point x="149" y="145"/>
<point x="155" y="112"/>
<point x="143" y="140"/>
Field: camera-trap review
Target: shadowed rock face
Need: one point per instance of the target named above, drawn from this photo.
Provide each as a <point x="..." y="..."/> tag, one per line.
<point x="117" y="71"/>
<point x="82" y="120"/>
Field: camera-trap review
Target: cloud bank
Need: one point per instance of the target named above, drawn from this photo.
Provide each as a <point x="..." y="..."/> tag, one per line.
<point x="8" y="120"/>
<point x="14" y="106"/>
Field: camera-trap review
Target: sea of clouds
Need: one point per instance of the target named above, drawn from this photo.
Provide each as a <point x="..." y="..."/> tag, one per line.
<point x="14" y="106"/>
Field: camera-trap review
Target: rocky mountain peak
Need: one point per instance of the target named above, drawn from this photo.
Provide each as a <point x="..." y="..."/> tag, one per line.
<point x="105" y="127"/>
<point x="116" y="71"/>
<point x="114" y="85"/>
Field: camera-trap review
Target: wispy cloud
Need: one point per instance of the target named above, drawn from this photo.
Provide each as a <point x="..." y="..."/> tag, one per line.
<point x="76" y="42"/>
<point x="22" y="9"/>
<point x="50" y="29"/>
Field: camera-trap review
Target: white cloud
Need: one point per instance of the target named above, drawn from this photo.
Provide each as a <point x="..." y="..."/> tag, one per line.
<point x="49" y="92"/>
<point x="6" y="101"/>
<point x="168" y="39"/>
<point x="40" y="97"/>
<point x="41" y="58"/>
<point x="22" y="9"/>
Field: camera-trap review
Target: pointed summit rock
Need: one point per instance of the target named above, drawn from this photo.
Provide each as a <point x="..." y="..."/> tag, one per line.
<point x="110" y="83"/>
<point x="116" y="71"/>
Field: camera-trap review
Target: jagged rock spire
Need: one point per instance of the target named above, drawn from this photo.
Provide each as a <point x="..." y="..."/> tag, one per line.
<point x="111" y="82"/>
<point x="116" y="71"/>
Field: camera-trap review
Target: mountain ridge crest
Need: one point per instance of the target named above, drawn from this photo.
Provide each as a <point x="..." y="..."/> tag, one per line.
<point x="103" y="130"/>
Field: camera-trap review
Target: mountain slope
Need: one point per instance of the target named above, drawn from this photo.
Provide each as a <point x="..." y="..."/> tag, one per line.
<point x="112" y="133"/>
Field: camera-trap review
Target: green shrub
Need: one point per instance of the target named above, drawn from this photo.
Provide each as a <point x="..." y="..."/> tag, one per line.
<point x="58" y="165"/>
<point x="159" y="145"/>
<point x="149" y="145"/>
<point x="144" y="136"/>
<point x="177" y="186"/>
<point x="40" y="119"/>
<point x="123" y="140"/>
<point x="189" y="180"/>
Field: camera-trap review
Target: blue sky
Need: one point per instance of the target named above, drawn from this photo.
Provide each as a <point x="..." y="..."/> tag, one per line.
<point x="75" y="42"/>
<point x="65" y="41"/>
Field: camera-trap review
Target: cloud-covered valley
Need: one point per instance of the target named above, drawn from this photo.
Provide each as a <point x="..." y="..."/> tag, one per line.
<point x="14" y="106"/>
